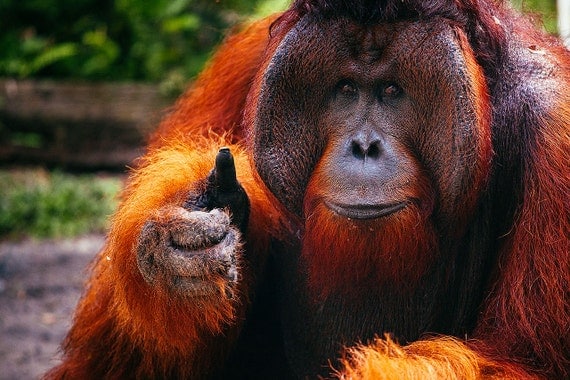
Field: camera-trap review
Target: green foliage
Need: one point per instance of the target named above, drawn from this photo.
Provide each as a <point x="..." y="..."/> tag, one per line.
<point x="164" y="41"/>
<point x="42" y="204"/>
<point x="161" y="40"/>
<point x="267" y="7"/>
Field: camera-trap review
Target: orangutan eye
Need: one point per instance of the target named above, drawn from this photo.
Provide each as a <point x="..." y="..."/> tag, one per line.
<point x="347" y="88"/>
<point x="391" y="90"/>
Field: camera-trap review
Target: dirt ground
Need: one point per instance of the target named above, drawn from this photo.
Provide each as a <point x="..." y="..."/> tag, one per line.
<point x="40" y="284"/>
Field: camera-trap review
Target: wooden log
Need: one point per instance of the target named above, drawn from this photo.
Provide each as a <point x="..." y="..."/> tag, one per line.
<point x="76" y="125"/>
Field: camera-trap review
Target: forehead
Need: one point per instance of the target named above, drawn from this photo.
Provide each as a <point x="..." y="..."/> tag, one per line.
<point x="368" y="41"/>
<point x="368" y="44"/>
<point x="320" y="50"/>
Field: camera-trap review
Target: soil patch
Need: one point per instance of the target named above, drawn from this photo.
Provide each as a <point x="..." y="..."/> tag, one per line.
<point x="40" y="284"/>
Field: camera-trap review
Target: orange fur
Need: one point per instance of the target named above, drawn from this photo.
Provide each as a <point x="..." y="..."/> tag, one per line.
<point x="121" y="318"/>
<point x="430" y="359"/>
<point x="377" y="252"/>
<point x="123" y="328"/>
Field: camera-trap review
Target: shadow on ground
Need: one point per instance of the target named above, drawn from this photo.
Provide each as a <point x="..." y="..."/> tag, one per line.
<point x="40" y="284"/>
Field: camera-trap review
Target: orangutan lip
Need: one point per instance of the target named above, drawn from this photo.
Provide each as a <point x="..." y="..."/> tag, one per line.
<point x="365" y="211"/>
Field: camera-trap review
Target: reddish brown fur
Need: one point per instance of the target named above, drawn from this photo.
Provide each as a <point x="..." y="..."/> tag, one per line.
<point x="125" y="329"/>
<point x="373" y="257"/>
<point x="531" y="296"/>
<point x="123" y="325"/>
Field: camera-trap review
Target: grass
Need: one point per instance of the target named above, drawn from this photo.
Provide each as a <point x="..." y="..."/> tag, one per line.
<point x="42" y="204"/>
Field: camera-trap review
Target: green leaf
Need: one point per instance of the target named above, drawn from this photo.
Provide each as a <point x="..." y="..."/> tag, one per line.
<point x="187" y="22"/>
<point x="51" y="55"/>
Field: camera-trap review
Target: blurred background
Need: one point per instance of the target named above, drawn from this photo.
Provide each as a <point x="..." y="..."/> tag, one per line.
<point x="82" y="83"/>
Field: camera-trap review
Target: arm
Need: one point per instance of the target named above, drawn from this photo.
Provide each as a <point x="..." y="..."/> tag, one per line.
<point x="159" y="304"/>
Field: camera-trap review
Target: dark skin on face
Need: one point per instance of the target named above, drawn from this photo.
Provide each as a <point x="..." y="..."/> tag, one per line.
<point x="374" y="165"/>
<point x="367" y="189"/>
<point x="364" y="151"/>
